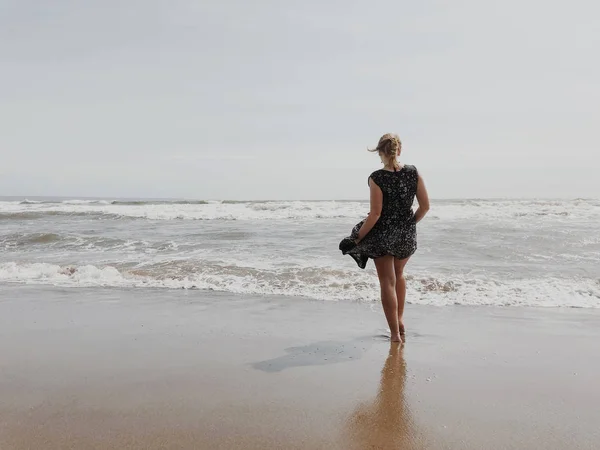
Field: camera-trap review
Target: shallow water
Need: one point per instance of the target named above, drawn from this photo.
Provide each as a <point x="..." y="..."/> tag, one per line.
<point x="471" y="252"/>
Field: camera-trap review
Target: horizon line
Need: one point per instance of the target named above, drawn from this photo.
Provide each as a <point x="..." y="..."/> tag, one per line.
<point x="194" y="199"/>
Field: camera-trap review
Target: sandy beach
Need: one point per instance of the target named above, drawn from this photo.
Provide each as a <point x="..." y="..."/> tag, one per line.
<point x="155" y="369"/>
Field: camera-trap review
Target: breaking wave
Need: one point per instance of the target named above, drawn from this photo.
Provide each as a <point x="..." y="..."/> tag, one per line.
<point x="312" y="282"/>
<point x="502" y="210"/>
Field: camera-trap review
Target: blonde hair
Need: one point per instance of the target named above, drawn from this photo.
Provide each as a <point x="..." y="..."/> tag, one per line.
<point x="389" y="145"/>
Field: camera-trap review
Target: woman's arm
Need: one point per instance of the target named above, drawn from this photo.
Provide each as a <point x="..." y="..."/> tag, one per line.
<point x="375" y="211"/>
<point x="423" y="199"/>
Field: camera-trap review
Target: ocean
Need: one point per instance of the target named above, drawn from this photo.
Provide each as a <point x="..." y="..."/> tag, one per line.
<point x="510" y="253"/>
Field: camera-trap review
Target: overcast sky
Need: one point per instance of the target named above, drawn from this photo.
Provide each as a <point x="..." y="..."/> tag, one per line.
<point x="273" y="99"/>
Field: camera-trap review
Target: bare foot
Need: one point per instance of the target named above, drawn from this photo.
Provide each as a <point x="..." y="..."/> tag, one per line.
<point x="402" y="332"/>
<point x="396" y="337"/>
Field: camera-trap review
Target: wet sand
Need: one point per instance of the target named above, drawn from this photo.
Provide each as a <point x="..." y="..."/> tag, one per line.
<point x="159" y="369"/>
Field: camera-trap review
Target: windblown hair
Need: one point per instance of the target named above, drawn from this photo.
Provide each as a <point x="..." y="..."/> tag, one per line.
<point x="388" y="147"/>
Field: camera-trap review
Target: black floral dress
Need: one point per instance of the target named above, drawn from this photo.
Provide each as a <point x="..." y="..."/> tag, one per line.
<point x="395" y="233"/>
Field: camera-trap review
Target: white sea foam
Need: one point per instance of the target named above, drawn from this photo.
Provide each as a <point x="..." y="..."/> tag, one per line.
<point x="317" y="283"/>
<point x="85" y="202"/>
<point x="196" y="211"/>
<point x="503" y="210"/>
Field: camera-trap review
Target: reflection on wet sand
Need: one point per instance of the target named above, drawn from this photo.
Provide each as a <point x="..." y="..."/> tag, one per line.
<point x="386" y="423"/>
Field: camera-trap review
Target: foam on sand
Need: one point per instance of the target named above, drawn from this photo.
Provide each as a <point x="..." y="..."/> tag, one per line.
<point x="312" y="282"/>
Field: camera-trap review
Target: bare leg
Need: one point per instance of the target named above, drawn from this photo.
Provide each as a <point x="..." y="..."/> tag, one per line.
<point x="399" y="265"/>
<point x="387" y="282"/>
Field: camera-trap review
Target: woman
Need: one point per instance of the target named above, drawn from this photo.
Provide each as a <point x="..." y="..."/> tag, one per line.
<point x="389" y="234"/>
